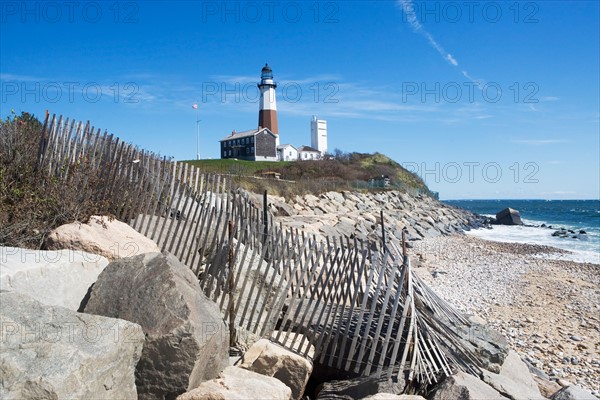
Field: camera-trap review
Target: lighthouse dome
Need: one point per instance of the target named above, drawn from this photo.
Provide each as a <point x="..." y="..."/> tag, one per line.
<point x="267" y="72"/>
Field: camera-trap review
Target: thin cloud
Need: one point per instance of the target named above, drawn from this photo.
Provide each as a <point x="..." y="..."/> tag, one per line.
<point x="549" y="98"/>
<point x="452" y="60"/>
<point x="479" y="82"/>
<point x="409" y="10"/>
<point x="560" y="192"/>
<point x="538" y="142"/>
<point x="20" y="78"/>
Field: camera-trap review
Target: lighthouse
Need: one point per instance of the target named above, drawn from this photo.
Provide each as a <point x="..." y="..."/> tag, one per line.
<point x="267" y="114"/>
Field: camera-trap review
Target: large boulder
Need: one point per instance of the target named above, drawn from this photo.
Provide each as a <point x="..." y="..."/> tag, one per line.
<point x="255" y="290"/>
<point x="389" y="396"/>
<point x="514" y="379"/>
<point x="573" y="392"/>
<point x="107" y="237"/>
<point x="487" y="345"/>
<point x="237" y="383"/>
<point x="463" y="386"/>
<point x="359" y="388"/>
<point x="269" y="359"/>
<point x="50" y="352"/>
<point x="508" y="216"/>
<point x="56" y="278"/>
<point x="186" y="339"/>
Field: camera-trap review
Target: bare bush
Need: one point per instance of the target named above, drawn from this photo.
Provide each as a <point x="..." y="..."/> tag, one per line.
<point x="32" y="203"/>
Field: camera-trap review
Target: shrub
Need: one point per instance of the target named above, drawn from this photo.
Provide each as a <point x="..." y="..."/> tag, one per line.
<point x="32" y="204"/>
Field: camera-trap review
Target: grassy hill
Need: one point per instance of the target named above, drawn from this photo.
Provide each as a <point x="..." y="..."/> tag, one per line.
<point x="346" y="171"/>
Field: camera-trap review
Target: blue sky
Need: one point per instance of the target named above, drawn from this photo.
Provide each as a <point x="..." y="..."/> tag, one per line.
<point x="484" y="99"/>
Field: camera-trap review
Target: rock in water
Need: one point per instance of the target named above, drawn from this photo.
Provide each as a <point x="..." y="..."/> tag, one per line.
<point x="56" y="278"/>
<point x="51" y="352"/>
<point x="186" y="339"/>
<point x="508" y="216"/>
<point x="237" y="383"/>
<point x="269" y="359"/>
<point x="112" y="239"/>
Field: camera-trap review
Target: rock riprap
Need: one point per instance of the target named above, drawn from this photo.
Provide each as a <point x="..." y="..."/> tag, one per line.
<point x="50" y="352"/>
<point x="353" y="214"/>
<point x="463" y="386"/>
<point x="186" y="339"/>
<point x="237" y="383"/>
<point x="57" y="278"/>
<point x="269" y="359"/>
<point x="107" y="237"/>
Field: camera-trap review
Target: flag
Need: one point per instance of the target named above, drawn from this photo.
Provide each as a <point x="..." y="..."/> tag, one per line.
<point x="195" y="106"/>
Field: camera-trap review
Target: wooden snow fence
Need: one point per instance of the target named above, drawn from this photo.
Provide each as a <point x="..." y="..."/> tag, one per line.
<point x="363" y="310"/>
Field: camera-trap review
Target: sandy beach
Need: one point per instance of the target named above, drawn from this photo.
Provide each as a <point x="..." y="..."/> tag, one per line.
<point x="549" y="310"/>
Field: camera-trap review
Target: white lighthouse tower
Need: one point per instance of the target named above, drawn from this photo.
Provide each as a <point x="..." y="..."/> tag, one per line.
<point x="318" y="135"/>
<point x="267" y="114"/>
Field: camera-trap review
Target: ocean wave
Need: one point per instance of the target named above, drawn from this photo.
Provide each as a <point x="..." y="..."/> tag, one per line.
<point x="583" y="250"/>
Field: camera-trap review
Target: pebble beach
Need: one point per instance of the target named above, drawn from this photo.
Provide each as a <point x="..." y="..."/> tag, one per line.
<point x="548" y="309"/>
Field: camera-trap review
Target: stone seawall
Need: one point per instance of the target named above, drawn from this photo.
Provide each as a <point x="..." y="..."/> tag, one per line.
<point x="353" y="214"/>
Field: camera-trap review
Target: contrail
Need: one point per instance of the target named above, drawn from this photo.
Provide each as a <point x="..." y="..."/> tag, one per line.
<point x="409" y="10"/>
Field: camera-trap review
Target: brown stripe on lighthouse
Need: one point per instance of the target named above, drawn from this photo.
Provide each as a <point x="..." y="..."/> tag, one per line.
<point x="268" y="119"/>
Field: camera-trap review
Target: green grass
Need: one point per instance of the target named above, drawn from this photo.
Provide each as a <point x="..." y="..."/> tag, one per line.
<point x="242" y="167"/>
<point x="351" y="171"/>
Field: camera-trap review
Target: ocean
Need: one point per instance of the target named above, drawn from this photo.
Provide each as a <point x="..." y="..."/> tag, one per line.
<point x="575" y="215"/>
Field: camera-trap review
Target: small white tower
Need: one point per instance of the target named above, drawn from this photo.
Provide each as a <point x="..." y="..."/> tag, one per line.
<point x="318" y="134"/>
<point x="267" y="114"/>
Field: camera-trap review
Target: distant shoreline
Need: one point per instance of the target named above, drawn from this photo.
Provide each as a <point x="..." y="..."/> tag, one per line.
<point x="542" y="219"/>
<point x="563" y="253"/>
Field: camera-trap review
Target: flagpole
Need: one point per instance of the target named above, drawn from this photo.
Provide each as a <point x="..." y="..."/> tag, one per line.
<point x="197" y="136"/>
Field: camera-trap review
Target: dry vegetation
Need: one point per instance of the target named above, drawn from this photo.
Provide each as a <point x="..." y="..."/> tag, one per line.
<point x="32" y="205"/>
<point x="341" y="171"/>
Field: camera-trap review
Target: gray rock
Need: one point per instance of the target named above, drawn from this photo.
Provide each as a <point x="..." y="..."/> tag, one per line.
<point x="270" y="359"/>
<point x="51" y="352"/>
<point x="359" y="388"/>
<point x="255" y="290"/>
<point x="328" y="230"/>
<point x="236" y="383"/>
<point x="102" y="235"/>
<point x="488" y="346"/>
<point x="514" y="380"/>
<point x="56" y="278"/>
<point x="546" y="386"/>
<point x="335" y="196"/>
<point x="389" y="396"/>
<point x="284" y="209"/>
<point x="573" y="392"/>
<point x="463" y="386"/>
<point x="186" y="339"/>
<point x="346" y="229"/>
<point x="509" y="216"/>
